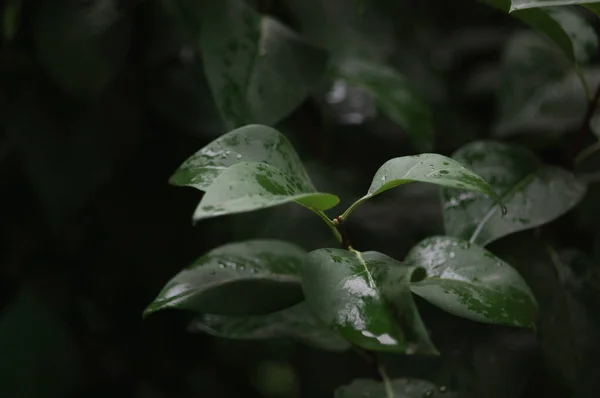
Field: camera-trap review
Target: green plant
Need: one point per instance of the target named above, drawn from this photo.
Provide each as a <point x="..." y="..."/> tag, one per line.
<point x="337" y="298"/>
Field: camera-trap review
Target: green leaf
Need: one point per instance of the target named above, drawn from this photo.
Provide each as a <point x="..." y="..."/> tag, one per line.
<point x="82" y="44"/>
<point x="237" y="279"/>
<point x="38" y="359"/>
<point x="428" y="167"/>
<point x="534" y="193"/>
<point x="11" y="18"/>
<point x="566" y="28"/>
<point x="252" y="186"/>
<point x="252" y="143"/>
<point x="402" y="388"/>
<point x="259" y="71"/>
<point x="594" y="7"/>
<point x="345" y="290"/>
<point x="524" y="4"/>
<point x="468" y="281"/>
<point x="296" y="322"/>
<point x="393" y="94"/>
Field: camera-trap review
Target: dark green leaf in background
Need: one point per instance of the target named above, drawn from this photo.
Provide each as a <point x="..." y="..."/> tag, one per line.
<point x="82" y="44"/>
<point x="524" y="4"/>
<point x="296" y="322"/>
<point x="259" y="70"/>
<point x="393" y="94"/>
<point x="534" y="193"/>
<point x="237" y="279"/>
<point x="468" y="281"/>
<point x="565" y="27"/>
<point x="402" y="388"/>
<point x="342" y="288"/>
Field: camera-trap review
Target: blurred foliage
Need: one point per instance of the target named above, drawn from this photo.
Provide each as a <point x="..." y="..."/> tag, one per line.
<point x="102" y="99"/>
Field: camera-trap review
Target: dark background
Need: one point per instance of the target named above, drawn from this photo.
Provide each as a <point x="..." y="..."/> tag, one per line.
<point x="91" y="230"/>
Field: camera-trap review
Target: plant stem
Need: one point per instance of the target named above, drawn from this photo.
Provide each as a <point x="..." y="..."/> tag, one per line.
<point x="586" y="87"/>
<point x="587" y="152"/>
<point x="389" y="389"/>
<point x="331" y="225"/>
<point x="353" y="206"/>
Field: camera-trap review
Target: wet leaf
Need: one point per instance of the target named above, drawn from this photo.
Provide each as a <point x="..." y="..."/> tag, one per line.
<point x="38" y="359"/>
<point x="237" y="279"/>
<point x="468" y="281"/>
<point x="252" y="186"/>
<point x="345" y="290"/>
<point x="534" y="193"/>
<point x="82" y="44"/>
<point x="402" y="388"/>
<point x="565" y="27"/>
<point x="251" y="143"/>
<point x="296" y="322"/>
<point x="258" y="70"/>
<point x="428" y="167"/>
<point x="393" y="94"/>
<point x="524" y="4"/>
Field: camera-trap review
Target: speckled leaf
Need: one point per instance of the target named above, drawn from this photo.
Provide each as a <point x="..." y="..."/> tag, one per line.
<point x="259" y="71"/>
<point x="82" y="44"/>
<point x="428" y="167"/>
<point x="524" y="4"/>
<point x="468" y="281"/>
<point x="534" y="193"/>
<point x="402" y="388"/>
<point x="296" y="322"/>
<point x="237" y="279"/>
<point x="252" y="186"/>
<point x="343" y="290"/>
<point x="251" y="143"/>
<point x="393" y="94"/>
<point x="565" y="27"/>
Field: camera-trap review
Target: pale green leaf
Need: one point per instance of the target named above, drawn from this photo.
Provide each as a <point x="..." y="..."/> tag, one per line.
<point x="251" y="143"/>
<point x="258" y="70"/>
<point x="534" y="194"/>
<point x="401" y="388"/>
<point x="346" y="289"/>
<point x="468" y="281"/>
<point x="296" y="322"/>
<point x="237" y="279"/>
<point x="524" y="4"/>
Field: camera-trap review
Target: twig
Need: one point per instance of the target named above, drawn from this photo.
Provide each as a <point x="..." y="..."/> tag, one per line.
<point x="585" y="125"/>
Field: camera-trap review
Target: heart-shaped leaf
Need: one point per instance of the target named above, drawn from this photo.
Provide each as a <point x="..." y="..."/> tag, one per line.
<point x="428" y="167"/>
<point x="401" y="388"/>
<point x="524" y="4"/>
<point x="252" y="186"/>
<point x="534" y="193"/>
<point x="82" y="44"/>
<point x="468" y="281"/>
<point x="393" y="94"/>
<point x="564" y="27"/>
<point x="344" y="290"/>
<point x="258" y="70"/>
<point x="251" y="143"/>
<point x="252" y="277"/>
<point x="296" y="322"/>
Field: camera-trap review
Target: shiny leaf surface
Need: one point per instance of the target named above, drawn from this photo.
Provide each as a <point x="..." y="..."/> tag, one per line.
<point x="296" y="322"/>
<point x="344" y="290"/>
<point x="567" y="29"/>
<point x="259" y="71"/>
<point x="237" y="279"/>
<point x="402" y="388"/>
<point x="534" y="193"/>
<point x="468" y="281"/>
<point x="252" y="143"/>
<point x="429" y="167"/>
<point x="393" y="94"/>
<point x="524" y="4"/>
<point x="82" y="57"/>
<point x="252" y="186"/>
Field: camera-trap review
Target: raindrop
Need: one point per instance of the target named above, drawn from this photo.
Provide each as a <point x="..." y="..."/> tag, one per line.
<point x="428" y="393"/>
<point x="241" y="267"/>
<point x="452" y="254"/>
<point x="238" y="157"/>
<point x="442" y="388"/>
<point x="222" y="266"/>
